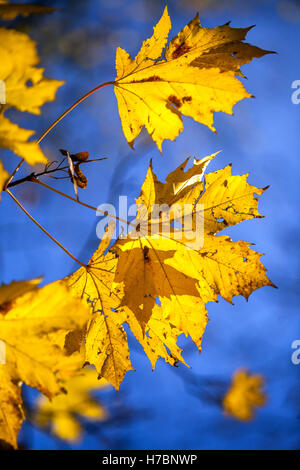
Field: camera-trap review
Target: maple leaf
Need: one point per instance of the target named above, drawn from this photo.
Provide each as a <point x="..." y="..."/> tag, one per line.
<point x="3" y="177"/>
<point x="244" y="395"/>
<point x="34" y="326"/>
<point x="106" y="339"/>
<point x="159" y="282"/>
<point x="62" y="412"/>
<point x="196" y="77"/>
<point x="164" y="279"/>
<point x="26" y="90"/>
<point x="9" y="11"/>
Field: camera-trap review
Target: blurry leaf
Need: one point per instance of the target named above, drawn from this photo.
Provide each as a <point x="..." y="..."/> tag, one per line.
<point x="244" y="395"/>
<point x="62" y="413"/>
<point x="26" y="90"/>
<point x="9" y="11"/>
<point x="33" y="326"/>
<point x="16" y="138"/>
<point x="196" y="77"/>
<point x="106" y="340"/>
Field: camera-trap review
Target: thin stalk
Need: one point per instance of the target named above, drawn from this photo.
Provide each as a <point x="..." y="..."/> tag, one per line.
<point x="34" y="180"/>
<point x="89" y="93"/>
<point x="44" y="230"/>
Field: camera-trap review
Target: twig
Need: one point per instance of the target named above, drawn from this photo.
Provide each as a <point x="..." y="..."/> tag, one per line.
<point x="46" y="172"/>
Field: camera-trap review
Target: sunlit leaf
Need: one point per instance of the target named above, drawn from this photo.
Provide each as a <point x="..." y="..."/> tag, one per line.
<point x="196" y="75"/>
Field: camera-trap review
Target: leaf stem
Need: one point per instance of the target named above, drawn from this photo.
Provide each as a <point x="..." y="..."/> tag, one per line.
<point x="44" y="230"/>
<point x="74" y="105"/>
<point x="35" y="180"/>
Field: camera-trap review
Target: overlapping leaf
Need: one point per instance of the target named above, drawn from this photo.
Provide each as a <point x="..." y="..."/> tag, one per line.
<point x="26" y="90"/>
<point x="157" y="279"/>
<point x="171" y="274"/>
<point x="194" y="76"/>
<point x="34" y="324"/>
<point x="62" y="413"/>
<point x="106" y="341"/>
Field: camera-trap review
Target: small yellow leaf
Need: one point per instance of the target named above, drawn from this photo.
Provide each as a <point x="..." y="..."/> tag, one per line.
<point x="33" y="323"/>
<point x="196" y="76"/>
<point x="244" y="395"/>
<point x="62" y="412"/>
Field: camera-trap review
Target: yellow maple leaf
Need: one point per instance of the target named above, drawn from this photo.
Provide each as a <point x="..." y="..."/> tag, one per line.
<point x="244" y="395"/>
<point x="9" y="11"/>
<point x="158" y="282"/>
<point x="196" y="77"/>
<point x="33" y="327"/>
<point x="106" y="340"/>
<point x="26" y="89"/>
<point x="62" y="412"/>
<point x="163" y="277"/>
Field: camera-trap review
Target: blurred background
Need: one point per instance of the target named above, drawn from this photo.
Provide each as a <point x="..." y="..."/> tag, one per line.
<point x="169" y="408"/>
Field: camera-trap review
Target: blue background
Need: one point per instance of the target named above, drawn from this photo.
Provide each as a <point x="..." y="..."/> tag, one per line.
<point x="167" y="408"/>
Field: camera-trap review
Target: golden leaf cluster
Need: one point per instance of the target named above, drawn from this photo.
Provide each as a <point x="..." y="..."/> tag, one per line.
<point x="159" y="285"/>
<point x="156" y="279"/>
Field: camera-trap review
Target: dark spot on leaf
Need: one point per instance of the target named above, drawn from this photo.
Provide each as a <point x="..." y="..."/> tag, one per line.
<point x="180" y="50"/>
<point x="153" y="78"/>
<point x="175" y="101"/>
<point x="186" y="98"/>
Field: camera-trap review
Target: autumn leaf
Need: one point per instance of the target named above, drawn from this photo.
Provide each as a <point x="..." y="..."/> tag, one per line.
<point x="244" y="395"/>
<point x="164" y="278"/>
<point x="106" y="340"/>
<point x="26" y="90"/>
<point x="62" y="412"/>
<point x="34" y="324"/>
<point x="157" y="279"/>
<point x="196" y="75"/>
<point x="9" y="11"/>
